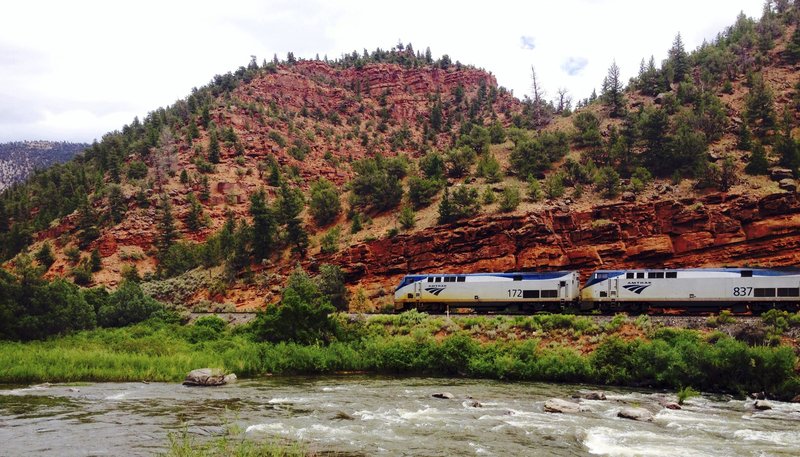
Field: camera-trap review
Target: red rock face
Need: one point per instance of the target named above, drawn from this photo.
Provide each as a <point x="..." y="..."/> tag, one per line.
<point x="718" y="230"/>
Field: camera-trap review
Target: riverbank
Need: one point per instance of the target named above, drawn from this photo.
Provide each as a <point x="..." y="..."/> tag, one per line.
<point x="550" y="348"/>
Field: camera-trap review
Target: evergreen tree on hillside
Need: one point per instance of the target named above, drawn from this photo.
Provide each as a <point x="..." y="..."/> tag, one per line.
<point x="45" y="255"/>
<point x="87" y="225"/>
<point x="194" y="219"/>
<point x="793" y="47"/>
<point x="758" y="164"/>
<point x="264" y="225"/>
<point x="325" y="206"/>
<point x="760" y="112"/>
<point x="167" y="232"/>
<point x="290" y="205"/>
<point x="679" y="60"/>
<point x="213" y="147"/>
<point x="612" y="92"/>
<point x="786" y="147"/>
<point x="117" y="205"/>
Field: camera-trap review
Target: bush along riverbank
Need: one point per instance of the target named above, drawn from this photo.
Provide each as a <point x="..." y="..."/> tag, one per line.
<point x="304" y="336"/>
<point x="555" y="348"/>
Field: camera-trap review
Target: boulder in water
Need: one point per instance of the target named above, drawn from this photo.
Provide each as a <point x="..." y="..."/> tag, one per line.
<point x="670" y="405"/>
<point x="762" y="405"/>
<point x="474" y="404"/>
<point x="593" y="395"/>
<point x="557" y="405"/>
<point x="443" y="395"/>
<point x="637" y="414"/>
<point x="796" y="399"/>
<point x="207" y="377"/>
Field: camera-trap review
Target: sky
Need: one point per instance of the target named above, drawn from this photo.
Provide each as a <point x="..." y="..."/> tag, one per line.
<point x="74" y="70"/>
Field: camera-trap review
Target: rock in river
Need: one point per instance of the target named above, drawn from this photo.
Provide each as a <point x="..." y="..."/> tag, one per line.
<point x="637" y="414"/>
<point x="557" y="405"/>
<point x="444" y="395"/>
<point x="593" y="395"/>
<point x="207" y="377"/>
<point x="762" y="405"/>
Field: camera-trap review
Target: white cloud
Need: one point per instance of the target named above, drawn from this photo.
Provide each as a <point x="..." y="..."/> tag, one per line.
<point x="78" y="69"/>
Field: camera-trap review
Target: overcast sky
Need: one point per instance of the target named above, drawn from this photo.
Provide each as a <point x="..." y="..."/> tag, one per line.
<point x="74" y="70"/>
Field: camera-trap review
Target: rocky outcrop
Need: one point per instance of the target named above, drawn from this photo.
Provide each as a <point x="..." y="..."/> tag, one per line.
<point x="716" y="230"/>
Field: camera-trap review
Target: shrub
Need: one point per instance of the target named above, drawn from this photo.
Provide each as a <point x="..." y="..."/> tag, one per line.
<point x="686" y="393"/>
<point x="137" y="170"/>
<point x="463" y="203"/>
<point x="489" y="168"/>
<point x="509" y="199"/>
<point x="422" y="190"/>
<point x="303" y="316"/>
<point x="459" y="161"/>
<point x="324" y="205"/>
<point x="554" y="186"/>
<point x="329" y="243"/>
<point x="330" y="282"/>
<point x="607" y="181"/>
<point x="533" y="156"/>
<point x="127" y="305"/>
<point x="406" y="218"/>
<point x="377" y="182"/>
<point x="588" y="130"/>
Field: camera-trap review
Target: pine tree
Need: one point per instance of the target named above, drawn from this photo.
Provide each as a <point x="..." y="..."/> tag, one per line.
<point x="786" y="147"/>
<point x="760" y="112"/>
<point x="194" y="219"/>
<point x="95" y="260"/>
<point x="205" y="188"/>
<point x="87" y="225"/>
<point x="744" y="139"/>
<point x="4" y="220"/>
<point x="184" y="177"/>
<point x="213" y="147"/>
<point x="116" y="203"/>
<point x="167" y="233"/>
<point x="264" y="225"/>
<point x="758" y="164"/>
<point x="406" y="218"/>
<point x="679" y="59"/>
<point x="613" y="91"/>
<point x="324" y="205"/>
<point x="445" y="208"/>
<point x="793" y="47"/>
<point x="290" y="205"/>
<point x="45" y="255"/>
<point x="534" y="189"/>
<point x="436" y="116"/>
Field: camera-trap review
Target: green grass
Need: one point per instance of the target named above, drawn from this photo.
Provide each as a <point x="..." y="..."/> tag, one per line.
<point x="183" y="445"/>
<point x="415" y="344"/>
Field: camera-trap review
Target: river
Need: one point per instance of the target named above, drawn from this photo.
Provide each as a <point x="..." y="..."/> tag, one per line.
<point x="360" y="415"/>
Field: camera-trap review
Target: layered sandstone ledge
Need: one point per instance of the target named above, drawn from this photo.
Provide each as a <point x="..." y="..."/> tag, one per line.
<point x="714" y="231"/>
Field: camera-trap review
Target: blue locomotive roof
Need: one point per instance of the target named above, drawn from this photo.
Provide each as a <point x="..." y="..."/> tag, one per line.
<point x="602" y="275"/>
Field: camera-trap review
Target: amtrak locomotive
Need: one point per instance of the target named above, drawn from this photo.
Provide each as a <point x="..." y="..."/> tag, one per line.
<point x="698" y="289"/>
<point x="489" y="291"/>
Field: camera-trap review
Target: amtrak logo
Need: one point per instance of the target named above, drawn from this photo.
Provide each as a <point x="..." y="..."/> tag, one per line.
<point x="636" y="288"/>
<point x="434" y="290"/>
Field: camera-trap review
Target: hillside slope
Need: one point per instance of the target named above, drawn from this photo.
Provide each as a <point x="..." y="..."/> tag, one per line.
<point x="19" y="159"/>
<point x="658" y="173"/>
